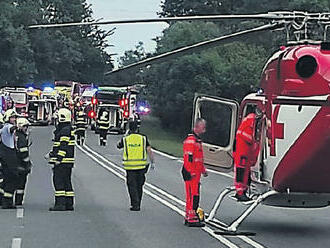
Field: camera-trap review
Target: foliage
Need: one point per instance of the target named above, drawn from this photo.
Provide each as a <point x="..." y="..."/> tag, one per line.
<point x="76" y="53"/>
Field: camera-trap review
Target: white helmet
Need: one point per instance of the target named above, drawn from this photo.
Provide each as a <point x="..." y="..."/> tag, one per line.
<point x="21" y="122"/>
<point x="8" y="114"/>
<point x="64" y="115"/>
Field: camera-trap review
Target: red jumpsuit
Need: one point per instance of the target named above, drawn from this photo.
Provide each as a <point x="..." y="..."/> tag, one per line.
<point x="245" y="156"/>
<point x="193" y="167"/>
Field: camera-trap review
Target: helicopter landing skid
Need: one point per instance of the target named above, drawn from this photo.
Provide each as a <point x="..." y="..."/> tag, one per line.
<point x="232" y="228"/>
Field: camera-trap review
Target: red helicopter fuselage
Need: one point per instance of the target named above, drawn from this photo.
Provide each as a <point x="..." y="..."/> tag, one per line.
<point x="296" y="88"/>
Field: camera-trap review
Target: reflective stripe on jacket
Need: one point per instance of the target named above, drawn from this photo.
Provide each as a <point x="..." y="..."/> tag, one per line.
<point x="135" y="152"/>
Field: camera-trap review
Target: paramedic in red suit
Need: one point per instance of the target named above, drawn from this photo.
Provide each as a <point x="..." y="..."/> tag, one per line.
<point x="246" y="154"/>
<point x="193" y="167"/>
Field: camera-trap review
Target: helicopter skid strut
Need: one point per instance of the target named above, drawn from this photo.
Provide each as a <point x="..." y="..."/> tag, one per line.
<point x="231" y="229"/>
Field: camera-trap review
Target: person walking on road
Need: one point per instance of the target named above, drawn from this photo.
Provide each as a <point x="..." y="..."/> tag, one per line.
<point x="193" y="167"/>
<point x="62" y="157"/>
<point x="9" y="159"/>
<point x="81" y="126"/>
<point x="136" y="147"/>
<point x="24" y="167"/>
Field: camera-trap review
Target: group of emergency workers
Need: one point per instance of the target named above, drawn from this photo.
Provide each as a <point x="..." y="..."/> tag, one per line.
<point x="16" y="164"/>
<point x="14" y="159"/>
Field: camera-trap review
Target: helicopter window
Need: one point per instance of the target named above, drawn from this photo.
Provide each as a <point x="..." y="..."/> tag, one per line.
<point x="306" y="66"/>
<point x="249" y="108"/>
<point x="218" y="123"/>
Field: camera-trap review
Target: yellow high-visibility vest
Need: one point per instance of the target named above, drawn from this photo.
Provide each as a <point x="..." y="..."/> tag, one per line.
<point x="135" y="152"/>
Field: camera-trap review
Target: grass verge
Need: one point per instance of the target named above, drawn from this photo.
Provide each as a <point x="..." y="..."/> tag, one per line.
<point x="160" y="139"/>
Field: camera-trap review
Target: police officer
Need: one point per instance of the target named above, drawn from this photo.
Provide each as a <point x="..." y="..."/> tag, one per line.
<point x="136" y="146"/>
<point x="25" y="164"/>
<point x="246" y="153"/>
<point x="81" y="125"/>
<point x="193" y="167"/>
<point x="104" y="125"/>
<point x="9" y="158"/>
<point x="62" y="158"/>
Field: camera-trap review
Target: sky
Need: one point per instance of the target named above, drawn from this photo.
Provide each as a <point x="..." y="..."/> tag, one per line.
<point x="127" y="36"/>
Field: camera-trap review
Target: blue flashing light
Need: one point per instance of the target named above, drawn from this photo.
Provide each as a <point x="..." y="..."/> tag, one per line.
<point x="30" y="88"/>
<point x="48" y="89"/>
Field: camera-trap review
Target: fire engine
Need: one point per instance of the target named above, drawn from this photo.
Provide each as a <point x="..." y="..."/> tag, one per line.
<point x="120" y="102"/>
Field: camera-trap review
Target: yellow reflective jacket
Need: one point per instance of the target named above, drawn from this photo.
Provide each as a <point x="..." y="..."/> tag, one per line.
<point x="135" y="152"/>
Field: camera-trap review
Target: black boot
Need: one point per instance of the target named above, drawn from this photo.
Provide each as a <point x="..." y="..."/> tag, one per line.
<point x="59" y="204"/>
<point x="19" y="199"/>
<point x="69" y="203"/>
<point x="82" y="141"/>
<point x="7" y="203"/>
<point x="78" y="141"/>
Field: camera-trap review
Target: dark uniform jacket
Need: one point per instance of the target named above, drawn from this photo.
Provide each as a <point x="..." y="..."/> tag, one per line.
<point x="63" y="147"/>
<point x="81" y="121"/>
<point x="23" y="152"/>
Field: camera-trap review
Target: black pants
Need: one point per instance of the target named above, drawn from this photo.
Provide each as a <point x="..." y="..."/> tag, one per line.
<point x="103" y="136"/>
<point x="63" y="185"/>
<point x="10" y="179"/>
<point x="20" y="189"/>
<point x="80" y="136"/>
<point x="135" y="180"/>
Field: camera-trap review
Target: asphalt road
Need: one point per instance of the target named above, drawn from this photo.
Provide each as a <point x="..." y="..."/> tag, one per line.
<point x="102" y="217"/>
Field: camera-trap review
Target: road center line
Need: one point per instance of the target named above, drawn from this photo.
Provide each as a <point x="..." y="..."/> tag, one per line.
<point x="16" y="243"/>
<point x="20" y="213"/>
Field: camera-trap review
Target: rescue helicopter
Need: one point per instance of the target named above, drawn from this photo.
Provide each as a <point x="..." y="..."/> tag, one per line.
<point x="293" y="132"/>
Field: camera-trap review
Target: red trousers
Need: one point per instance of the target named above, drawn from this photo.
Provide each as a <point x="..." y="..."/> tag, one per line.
<point x="192" y="199"/>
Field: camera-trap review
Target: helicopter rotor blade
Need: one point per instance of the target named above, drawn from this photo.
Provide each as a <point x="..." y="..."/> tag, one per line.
<point x="197" y="47"/>
<point x="270" y="15"/>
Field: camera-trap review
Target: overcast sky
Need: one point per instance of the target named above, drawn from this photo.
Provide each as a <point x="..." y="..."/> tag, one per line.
<point x="127" y="36"/>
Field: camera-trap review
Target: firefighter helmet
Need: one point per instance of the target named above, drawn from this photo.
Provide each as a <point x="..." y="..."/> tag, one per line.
<point x="64" y="115"/>
<point x="21" y="122"/>
<point x="8" y="114"/>
<point x="200" y="213"/>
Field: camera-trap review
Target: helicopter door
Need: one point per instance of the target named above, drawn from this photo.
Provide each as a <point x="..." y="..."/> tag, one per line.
<point x="221" y="120"/>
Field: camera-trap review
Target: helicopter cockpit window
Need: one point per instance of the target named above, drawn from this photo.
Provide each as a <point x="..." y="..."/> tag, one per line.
<point x="249" y="108"/>
<point x="218" y="123"/>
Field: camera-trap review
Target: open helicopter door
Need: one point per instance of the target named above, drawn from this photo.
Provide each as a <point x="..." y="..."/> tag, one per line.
<point x="221" y="121"/>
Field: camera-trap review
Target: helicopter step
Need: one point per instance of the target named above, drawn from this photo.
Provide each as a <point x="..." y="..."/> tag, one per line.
<point x="232" y="228"/>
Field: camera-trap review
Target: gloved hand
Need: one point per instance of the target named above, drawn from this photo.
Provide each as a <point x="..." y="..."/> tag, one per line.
<point x="47" y="156"/>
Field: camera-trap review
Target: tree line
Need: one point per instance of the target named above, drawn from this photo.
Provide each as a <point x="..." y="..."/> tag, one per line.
<point x="45" y="55"/>
<point x="229" y="71"/>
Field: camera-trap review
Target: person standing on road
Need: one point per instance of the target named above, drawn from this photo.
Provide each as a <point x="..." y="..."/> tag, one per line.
<point x="24" y="162"/>
<point x="9" y="159"/>
<point x="193" y="167"/>
<point x="62" y="157"/>
<point x="136" y="147"/>
<point x="103" y="125"/>
<point x="81" y="125"/>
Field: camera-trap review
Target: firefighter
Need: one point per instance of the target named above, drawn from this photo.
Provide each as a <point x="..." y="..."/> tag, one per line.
<point x="246" y="153"/>
<point x="103" y="124"/>
<point x="81" y="125"/>
<point x="25" y="164"/>
<point x="193" y="167"/>
<point x="62" y="158"/>
<point x="1" y="172"/>
<point x="136" y="147"/>
<point x="9" y="160"/>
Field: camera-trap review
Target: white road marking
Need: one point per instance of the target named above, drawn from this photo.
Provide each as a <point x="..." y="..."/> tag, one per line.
<point x="20" y="213"/>
<point x="223" y="240"/>
<point x="16" y="243"/>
